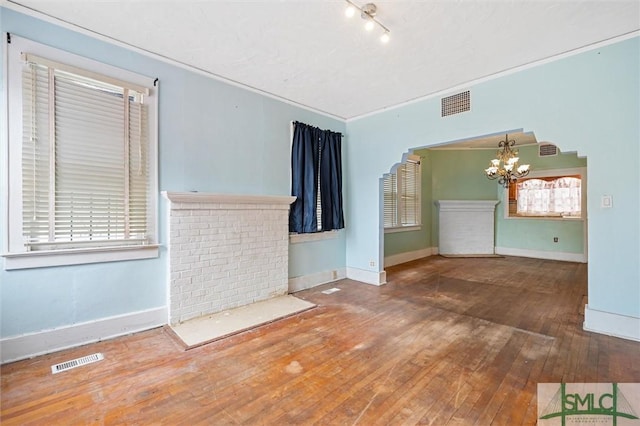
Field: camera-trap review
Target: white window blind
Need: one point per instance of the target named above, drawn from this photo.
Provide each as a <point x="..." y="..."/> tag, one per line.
<point x="85" y="160"/>
<point x="402" y="195"/>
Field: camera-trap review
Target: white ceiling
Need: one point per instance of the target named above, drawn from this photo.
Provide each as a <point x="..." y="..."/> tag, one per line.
<point x="309" y="53"/>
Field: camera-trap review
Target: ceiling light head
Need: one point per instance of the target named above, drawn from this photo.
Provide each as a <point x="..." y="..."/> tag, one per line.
<point x="384" y="38"/>
<point x="350" y="11"/>
<point x="369" y="25"/>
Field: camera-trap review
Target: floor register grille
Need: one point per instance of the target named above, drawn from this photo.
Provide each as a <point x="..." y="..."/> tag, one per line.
<point x="78" y="362"/>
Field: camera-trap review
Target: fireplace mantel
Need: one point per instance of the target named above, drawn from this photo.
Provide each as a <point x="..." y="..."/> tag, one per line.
<point x="212" y="198"/>
<point x="467" y="205"/>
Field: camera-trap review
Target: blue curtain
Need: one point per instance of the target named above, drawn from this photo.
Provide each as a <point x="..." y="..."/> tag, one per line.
<point x="331" y="180"/>
<point x="316" y="157"/>
<point x="305" y="152"/>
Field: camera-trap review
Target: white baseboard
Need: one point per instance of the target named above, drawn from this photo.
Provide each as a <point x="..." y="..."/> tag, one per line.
<point x="44" y="342"/>
<point x="367" y="277"/>
<point x="396" y="259"/>
<point x="539" y="254"/>
<point x="304" y="282"/>
<point x="611" y="324"/>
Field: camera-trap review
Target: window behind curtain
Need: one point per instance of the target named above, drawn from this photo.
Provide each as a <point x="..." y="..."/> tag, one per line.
<point x="402" y="195"/>
<point x="555" y="196"/>
<point x="85" y="159"/>
<point x="316" y="180"/>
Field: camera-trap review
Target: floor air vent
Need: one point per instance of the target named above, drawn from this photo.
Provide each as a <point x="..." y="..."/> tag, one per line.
<point x="68" y="365"/>
<point x="455" y="104"/>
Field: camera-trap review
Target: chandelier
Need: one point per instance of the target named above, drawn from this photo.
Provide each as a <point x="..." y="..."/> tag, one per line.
<point x="368" y="13"/>
<point x="505" y="168"/>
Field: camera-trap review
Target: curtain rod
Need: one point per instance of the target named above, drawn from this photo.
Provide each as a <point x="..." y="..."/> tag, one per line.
<point x="315" y="127"/>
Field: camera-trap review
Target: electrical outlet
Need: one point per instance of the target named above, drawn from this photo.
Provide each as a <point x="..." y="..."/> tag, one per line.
<point x="334" y="275"/>
<point x="555" y="239"/>
<point x="372" y="263"/>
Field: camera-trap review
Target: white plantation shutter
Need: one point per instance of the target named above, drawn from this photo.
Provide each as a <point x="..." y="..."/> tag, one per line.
<point x="390" y="188"/>
<point x="85" y="176"/>
<point x="402" y="195"/>
<point x="409" y="193"/>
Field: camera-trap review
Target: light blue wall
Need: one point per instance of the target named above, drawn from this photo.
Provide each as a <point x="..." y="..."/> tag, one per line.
<point x="588" y="103"/>
<point x="213" y="137"/>
<point x="316" y="256"/>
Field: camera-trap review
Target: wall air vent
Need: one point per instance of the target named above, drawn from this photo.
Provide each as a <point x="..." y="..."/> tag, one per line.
<point x="547" y="150"/>
<point x="455" y="104"/>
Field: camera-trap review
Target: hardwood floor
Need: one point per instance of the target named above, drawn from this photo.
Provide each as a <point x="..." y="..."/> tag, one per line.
<point x="446" y="341"/>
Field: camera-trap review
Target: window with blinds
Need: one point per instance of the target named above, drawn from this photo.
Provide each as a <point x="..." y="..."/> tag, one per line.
<point x="85" y="159"/>
<point x="402" y="189"/>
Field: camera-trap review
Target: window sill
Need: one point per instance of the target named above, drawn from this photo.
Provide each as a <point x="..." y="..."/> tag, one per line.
<point x="555" y="218"/>
<point x="402" y="229"/>
<point x="47" y="258"/>
<point x="314" y="236"/>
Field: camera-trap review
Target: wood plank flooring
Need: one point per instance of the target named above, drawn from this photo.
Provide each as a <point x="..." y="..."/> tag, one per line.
<point x="445" y="342"/>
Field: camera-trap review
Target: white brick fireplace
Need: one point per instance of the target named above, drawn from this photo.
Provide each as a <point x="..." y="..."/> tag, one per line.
<point x="225" y="251"/>
<point x="466" y="227"/>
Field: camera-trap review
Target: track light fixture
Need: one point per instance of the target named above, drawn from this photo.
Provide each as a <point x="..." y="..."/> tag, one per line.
<point x="368" y="13"/>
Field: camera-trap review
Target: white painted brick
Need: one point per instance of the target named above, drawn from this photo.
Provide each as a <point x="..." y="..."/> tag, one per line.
<point x="186" y="233"/>
<point x="201" y="280"/>
<point x="209" y="233"/>
<point x="180" y="267"/>
<point x="200" y="264"/>
<point x="226" y="255"/>
<point x="190" y="272"/>
<point x="187" y="245"/>
<point x="183" y="281"/>
<point x="184" y="220"/>
<point x="188" y="260"/>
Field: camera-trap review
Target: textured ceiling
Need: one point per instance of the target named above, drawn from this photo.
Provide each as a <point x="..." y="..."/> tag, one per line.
<point x="309" y="53"/>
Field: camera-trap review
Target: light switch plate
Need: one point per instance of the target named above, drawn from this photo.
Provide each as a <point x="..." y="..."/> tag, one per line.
<point x="606" y="202"/>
